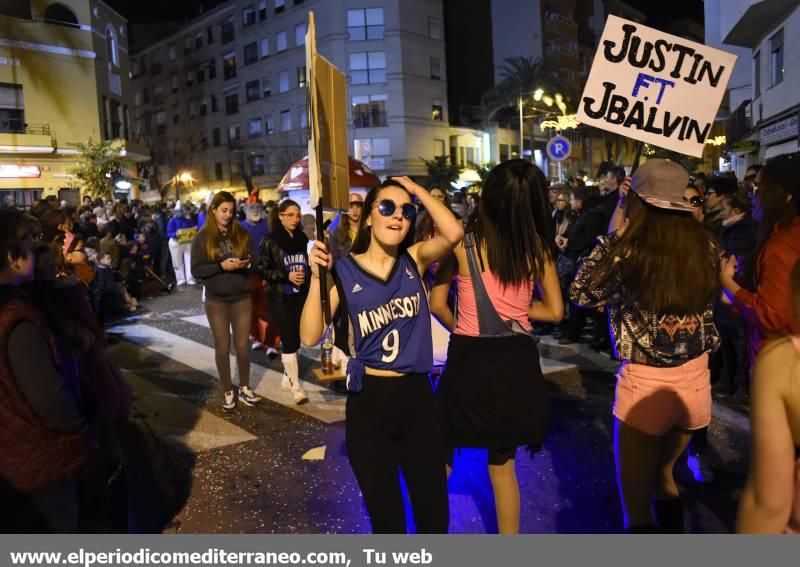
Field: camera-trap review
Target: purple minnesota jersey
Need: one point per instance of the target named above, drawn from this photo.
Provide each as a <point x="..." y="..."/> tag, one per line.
<point x="387" y="323"/>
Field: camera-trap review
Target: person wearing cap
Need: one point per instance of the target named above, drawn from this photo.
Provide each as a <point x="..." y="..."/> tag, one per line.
<point x="180" y="231"/>
<point x="657" y="276"/>
<point x="345" y="232"/>
<point x="766" y="306"/>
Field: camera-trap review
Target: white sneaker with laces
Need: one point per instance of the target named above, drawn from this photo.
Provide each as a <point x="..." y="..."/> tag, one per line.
<point x="286" y="383"/>
<point x="299" y="394"/>
<point x="229" y="401"/>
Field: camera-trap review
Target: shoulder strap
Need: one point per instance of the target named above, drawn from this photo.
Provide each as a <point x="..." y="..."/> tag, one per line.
<point x="489" y="322"/>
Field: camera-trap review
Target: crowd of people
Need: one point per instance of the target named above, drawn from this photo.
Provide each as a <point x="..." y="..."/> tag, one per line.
<point x="690" y="282"/>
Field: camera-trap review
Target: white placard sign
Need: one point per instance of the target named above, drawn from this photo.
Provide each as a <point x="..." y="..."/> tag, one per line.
<point x="655" y="87"/>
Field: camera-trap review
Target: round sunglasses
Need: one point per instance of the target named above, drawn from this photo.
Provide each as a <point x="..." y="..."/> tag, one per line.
<point x="387" y="207"/>
<point x="695" y="201"/>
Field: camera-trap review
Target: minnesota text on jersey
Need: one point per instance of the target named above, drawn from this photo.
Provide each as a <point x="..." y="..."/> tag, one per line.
<point x="371" y="320"/>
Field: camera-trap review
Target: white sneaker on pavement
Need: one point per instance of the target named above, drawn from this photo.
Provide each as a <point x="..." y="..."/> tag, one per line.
<point x="298" y="393"/>
<point x="229" y="401"/>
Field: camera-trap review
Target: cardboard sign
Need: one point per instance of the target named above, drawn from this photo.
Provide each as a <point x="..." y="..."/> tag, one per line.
<point x="328" y="164"/>
<point x="655" y="87"/>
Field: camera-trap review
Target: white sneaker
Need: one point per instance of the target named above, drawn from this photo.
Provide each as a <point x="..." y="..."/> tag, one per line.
<point x="286" y="383"/>
<point x="248" y="396"/>
<point x="229" y="401"/>
<point x="272" y="352"/>
<point x="701" y="470"/>
<point x="256" y="346"/>
<point x="299" y="394"/>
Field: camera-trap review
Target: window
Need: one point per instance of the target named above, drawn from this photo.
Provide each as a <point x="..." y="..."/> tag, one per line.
<point x="229" y="66"/>
<point x="192" y="107"/>
<point x="203" y="143"/>
<point x="234" y="134"/>
<point x="303" y="118"/>
<point x="250" y="53"/>
<point x="257" y="164"/>
<point x="264" y="47"/>
<point x="252" y="91"/>
<point x="280" y="41"/>
<point x="283" y="81"/>
<point x="201" y="75"/>
<point x="269" y="126"/>
<point x="301" y="76"/>
<point x="214" y="106"/>
<point x="187" y="45"/>
<point x="436" y="109"/>
<point x="231" y="104"/>
<point x="218" y="171"/>
<point x="173" y="81"/>
<point x="757" y="74"/>
<point x="438" y="148"/>
<point x="12" y="108"/>
<point x="146" y="95"/>
<point x="155" y="62"/>
<point x="249" y="15"/>
<point x="189" y="78"/>
<point x="279" y="6"/>
<point x="210" y="35"/>
<point x="368" y="68"/>
<point x="369" y="111"/>
<point x="134" y="68"/>
<point x="111" y="47"/>
<point x="365" y="24"/>
<point x="215" y="138"/>
<point x="375" y="152"/>
<point x="116" y="119"/>
<point x="203" y="106"/>
<point x="262" y="10"/>
<point x="286" y="120"/>
<point x="198" y="40"/>
<point x="436" y="68"/>
<point x="254" y="128"/>
<point x="161" y="123"/>
<point x="266" y="87"/>
<point x="300" y="34"/>
<point x="212" y="68"/>
<point x="776" y="59"/>
<point x="172" y="53"/>
<point x="137" y="99"/>
<point x="434" y="28"/>
<point x="158" y="94"/>
<point x="227" y="32"/>
<point x="176" y="118"/>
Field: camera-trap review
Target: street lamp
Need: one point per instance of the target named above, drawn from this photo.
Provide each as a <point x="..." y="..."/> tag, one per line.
<point x="539" y="95"/>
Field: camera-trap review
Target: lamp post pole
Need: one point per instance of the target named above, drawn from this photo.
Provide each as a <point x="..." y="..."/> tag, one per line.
<point x="521" y="129"/>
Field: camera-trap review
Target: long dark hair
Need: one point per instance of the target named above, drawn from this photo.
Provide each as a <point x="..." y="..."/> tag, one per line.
<point x="776" y="212"/>
<point x="364" y="234"/>
<point x="239" y="236"/>
<point x="668" y="260"/>
<point x="15" y="230"/>
<point x="274" y="214"/>
<point x="514" y="222"/>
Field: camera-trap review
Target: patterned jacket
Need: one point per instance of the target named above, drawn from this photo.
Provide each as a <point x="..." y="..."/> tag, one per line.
<point x="652" y="339"/>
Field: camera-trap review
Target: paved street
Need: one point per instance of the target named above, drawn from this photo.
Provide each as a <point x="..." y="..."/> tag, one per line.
<point x="281" y="468"/>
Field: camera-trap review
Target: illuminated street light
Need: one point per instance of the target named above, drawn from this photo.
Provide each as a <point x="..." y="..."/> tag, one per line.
<point x="185" y="177"/>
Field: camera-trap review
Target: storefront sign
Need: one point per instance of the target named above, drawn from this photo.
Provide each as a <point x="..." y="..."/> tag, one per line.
<point x="779" y="131"/>
<point x="14" y="171"/>
<point x="745" y="147"/>
<point x="655" y="87"/>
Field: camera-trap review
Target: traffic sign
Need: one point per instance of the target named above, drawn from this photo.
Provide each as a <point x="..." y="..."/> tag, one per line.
<point x="558" y="148"/>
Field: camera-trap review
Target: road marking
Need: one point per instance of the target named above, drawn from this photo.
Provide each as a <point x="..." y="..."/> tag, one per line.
<point x="176" y="419"/>
<point x="324" y="404"/>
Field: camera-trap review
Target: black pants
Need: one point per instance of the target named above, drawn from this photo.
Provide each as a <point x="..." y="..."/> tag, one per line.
<point x="287" y="313"/>
<point x="392" y="428"/>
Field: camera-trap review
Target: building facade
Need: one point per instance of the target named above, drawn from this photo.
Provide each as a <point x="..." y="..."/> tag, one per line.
<point x="63" y="80"/>
<point x="764" y="91"/>
<point x="224" y="99"/>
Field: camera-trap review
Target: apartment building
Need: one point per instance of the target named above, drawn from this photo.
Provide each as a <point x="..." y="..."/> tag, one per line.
<point x="63" y="80"/>
<point x="225" y="97"/>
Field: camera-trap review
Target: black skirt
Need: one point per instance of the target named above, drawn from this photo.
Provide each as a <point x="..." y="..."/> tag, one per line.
<point x="492" y="393"/>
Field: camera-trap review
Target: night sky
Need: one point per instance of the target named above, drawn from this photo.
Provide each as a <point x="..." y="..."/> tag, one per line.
<point x="659" y="13"/>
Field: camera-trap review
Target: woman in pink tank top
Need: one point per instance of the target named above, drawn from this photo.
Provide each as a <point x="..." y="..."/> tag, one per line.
<point x="771" y="499"/>
<point x="491" y="394"/>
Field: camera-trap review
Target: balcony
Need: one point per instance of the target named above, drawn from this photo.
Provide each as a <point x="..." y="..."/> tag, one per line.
<point x="739" y="123"/>
<point x="759" y="19"/>
<point x="370" y="119"/>
<point x="18" y="137"/>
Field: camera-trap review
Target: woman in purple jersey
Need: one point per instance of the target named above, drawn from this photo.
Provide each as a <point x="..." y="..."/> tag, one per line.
<point x="383" y="323"/>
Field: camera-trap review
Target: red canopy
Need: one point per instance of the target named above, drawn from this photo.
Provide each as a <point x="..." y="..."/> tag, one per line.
<point x="297" y="176"/>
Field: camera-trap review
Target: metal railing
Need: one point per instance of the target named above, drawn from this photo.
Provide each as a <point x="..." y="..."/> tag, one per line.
<point x="19" y="126"/>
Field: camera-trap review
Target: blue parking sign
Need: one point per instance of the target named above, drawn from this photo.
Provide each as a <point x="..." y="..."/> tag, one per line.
<point x="558" y="148"/>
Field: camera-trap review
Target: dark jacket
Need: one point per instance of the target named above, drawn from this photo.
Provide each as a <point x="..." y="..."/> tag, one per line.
<point x="220" y="285"/>
<point x="279" y="253"/>
<point x="33" y="454"/>
<point x="584" y="229"/>
<point x="739" y="239"/>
